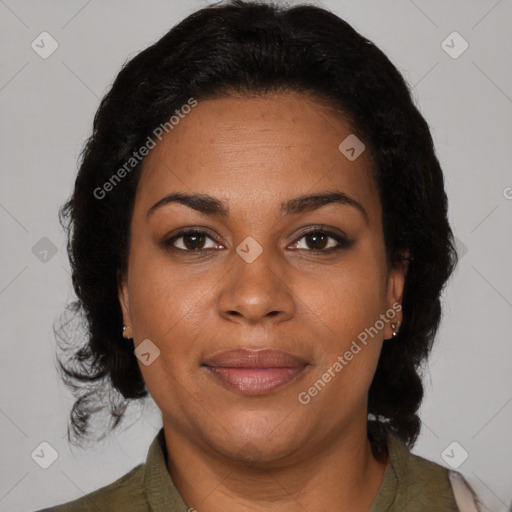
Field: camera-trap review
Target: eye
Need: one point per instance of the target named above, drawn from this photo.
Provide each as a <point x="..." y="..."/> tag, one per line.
<point x="196" y="241"/>
<point x="322" y="241"/>
<point x="191" y="241"/>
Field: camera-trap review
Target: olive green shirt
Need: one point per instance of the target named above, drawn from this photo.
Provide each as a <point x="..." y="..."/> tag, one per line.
<point x="411" y="484"/>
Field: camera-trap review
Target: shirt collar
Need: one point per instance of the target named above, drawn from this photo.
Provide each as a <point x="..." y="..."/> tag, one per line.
<point x="161" y="492"/>
<point x="385" y="498"/>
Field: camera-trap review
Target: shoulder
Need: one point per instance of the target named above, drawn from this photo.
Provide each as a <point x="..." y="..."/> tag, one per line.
<point x="146" y="487"/>
<point x="424" y="485"/>
<point x="125" y="493"/>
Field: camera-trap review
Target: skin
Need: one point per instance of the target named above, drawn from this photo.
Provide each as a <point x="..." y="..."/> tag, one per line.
<point x="230" y="451"/>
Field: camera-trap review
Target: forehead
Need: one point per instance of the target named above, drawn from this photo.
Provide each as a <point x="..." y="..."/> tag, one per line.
<point x="257" y="151"/>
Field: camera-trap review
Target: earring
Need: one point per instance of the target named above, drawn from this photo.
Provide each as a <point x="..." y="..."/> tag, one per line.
<point x="125" y="327"/>
<point x="395" y="328"/>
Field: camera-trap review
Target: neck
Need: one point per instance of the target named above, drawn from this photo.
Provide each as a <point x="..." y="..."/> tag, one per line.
<point x="342" y="475"/>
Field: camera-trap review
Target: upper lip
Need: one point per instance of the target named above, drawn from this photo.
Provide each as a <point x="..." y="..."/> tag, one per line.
<point x="261" y="358"/>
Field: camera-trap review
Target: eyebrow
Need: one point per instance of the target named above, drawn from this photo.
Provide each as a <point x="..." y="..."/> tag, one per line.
<point x="209" y="205"/>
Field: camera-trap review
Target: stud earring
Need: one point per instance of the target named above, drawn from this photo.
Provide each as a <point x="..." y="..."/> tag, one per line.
<point x="125" y="327"/>
<point x="395" y="328"/>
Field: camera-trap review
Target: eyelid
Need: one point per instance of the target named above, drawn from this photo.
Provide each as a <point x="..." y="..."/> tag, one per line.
<point x="169" y="240"/>
<point x="321" y="228"/>
<point x="343" y="241"/>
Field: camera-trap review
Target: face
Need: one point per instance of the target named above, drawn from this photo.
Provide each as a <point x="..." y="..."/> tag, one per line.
<point x="263" y="268"/>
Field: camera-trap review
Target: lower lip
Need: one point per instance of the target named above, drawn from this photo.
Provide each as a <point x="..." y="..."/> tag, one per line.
<point x="255" y="381"/>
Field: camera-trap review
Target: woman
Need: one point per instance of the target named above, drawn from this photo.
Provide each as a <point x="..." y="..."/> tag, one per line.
<point x="259" y="239"/>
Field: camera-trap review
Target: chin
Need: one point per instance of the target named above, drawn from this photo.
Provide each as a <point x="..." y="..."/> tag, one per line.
<point x="259" y="446"/>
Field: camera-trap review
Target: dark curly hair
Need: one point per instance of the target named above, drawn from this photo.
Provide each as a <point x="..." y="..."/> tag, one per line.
<point x="254" y="48"/>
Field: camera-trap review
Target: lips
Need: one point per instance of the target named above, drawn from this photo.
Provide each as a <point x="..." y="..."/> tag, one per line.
<point x="254" y="372"/>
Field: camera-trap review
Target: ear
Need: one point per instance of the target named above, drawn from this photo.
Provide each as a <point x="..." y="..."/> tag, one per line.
<point x="124" y="299"/>
<point x="396" y="283"/>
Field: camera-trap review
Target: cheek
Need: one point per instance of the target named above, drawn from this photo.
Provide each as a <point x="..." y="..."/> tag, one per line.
<point x="343" y="306"/>
<point x="166" y="310"/>
<point x="159" y="293"/>
<point x="346" y="355"/>
<point x="345" y="301"/>
<point x="172" y="308"/>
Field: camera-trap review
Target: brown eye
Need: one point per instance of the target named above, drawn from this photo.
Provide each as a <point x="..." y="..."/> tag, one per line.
<point x="322" y="242"/>
<point x="191" y="241"/>
<point x="317" y="241"/>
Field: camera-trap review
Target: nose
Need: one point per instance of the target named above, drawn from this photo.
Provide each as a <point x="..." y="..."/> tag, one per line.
<point x="257" y="291"/>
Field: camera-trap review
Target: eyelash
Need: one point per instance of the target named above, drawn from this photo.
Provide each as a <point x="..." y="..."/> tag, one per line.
<point x="343" y="242"/>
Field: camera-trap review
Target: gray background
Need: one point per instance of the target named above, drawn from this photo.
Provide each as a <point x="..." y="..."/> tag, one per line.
<point x="47" y="109"/>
